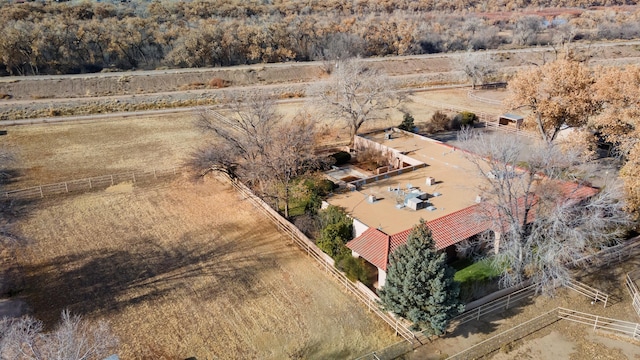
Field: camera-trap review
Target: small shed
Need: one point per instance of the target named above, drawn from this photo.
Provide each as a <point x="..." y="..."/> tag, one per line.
<point x="506" y="119"/>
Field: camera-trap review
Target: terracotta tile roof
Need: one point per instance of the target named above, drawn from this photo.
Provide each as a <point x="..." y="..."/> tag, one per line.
<point x="457" y="226"/>
<point x="577" y="191"/>
<point x="373" y="246"/>
<point x="398" y="239"/>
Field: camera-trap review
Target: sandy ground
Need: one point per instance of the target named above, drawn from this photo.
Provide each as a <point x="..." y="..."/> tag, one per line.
<point x="561" y="340"/>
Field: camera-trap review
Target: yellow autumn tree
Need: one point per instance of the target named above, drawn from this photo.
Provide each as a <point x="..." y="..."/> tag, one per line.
<point x="618" y="92"/>
<point x="557" y="93"/>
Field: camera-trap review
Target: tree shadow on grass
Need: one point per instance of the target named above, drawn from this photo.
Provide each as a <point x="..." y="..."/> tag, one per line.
<point x="107" y="282"/>
<point x="11" y="212"/>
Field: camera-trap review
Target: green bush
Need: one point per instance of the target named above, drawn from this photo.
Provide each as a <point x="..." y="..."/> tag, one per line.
<point x="316" y="188"/>
<point x="336" y="230"/>
<point x="354" y="268"/>
<point x="407" y="123"/>
<point x="464" y="119"/>
<point x="341" y="157"/>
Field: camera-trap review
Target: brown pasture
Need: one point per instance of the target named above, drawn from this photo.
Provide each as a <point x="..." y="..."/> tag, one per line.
<point x="178" y="268"/>
<point x="186" y="269"/>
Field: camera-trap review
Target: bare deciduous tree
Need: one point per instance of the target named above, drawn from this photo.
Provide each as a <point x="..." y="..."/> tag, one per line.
<point x="239" y="140"/>
<point x="72" y="339"/>
<point x="291" y="154"/>
<point x="355" y="94"/>
<point x="258" y="147"/>
<point x="526" y="30"/>
<point x="543" y="223"/>
<point x="477" y="66"/>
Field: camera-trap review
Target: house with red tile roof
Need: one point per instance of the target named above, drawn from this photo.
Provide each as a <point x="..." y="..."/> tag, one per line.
<point x="434" y="182"/>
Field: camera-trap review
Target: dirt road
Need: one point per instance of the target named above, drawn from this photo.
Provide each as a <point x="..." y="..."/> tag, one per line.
<point x="86" y="94"/>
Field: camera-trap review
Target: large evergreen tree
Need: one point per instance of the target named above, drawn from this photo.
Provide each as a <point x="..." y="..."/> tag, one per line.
<point x="420" y="284"/>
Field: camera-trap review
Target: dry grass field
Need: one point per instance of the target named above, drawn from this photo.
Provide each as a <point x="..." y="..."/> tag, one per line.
<point x="58" y="152"/>
<point x="51" y="153"/>
<point x="183" y="269"/>
<point x="178" y="268"/>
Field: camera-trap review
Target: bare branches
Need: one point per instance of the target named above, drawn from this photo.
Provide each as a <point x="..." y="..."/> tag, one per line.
<point x="73" y="339"/>
<point x="257" y="146"/>
<point x="543" y="223"/>
<point x="477" y="66"/>
<point x="355" y="94"/>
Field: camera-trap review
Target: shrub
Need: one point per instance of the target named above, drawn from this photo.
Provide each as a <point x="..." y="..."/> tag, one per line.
<point x="371" y="158"/>
<point x="464" y="119"/>
<point x="337" y="229"/>
<point x="407" y="123"/>
<point x="341" y="157"/>
<point x="218" y="83"/>
<point x="439" y="121"/>
<point x="353" y="267"/>
<point x="307" y="223"/>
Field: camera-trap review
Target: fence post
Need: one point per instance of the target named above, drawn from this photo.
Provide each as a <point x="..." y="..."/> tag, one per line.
<point x="508" y="300"/>
<point x="66" y="187"/>
<point x="134" y="177"/>
<point x="154" y="174"/>
<point x="89" y="183"/>
<point x="41" y="194"/>
<point x="478" y="318"/>
<point x="595" y="325"/>
<point x="111" y="180"/>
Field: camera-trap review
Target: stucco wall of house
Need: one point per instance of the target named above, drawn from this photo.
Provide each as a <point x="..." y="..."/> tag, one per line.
<point x="382" y="278"/>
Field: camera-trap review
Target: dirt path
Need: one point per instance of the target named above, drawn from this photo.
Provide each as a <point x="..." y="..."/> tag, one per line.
<point x="49" y="96"/>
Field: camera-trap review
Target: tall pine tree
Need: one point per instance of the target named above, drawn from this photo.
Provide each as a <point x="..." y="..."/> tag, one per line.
<point x="419" y="285"/>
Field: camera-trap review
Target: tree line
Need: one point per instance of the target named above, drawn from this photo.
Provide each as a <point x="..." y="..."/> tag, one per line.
<point x="53" y="38"/>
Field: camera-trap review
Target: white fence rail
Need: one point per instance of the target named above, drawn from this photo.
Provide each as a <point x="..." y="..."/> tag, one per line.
<point x="494" y="124"/>
<point x="502" y="303"/>
<point x="98" y="182"/>
<point x="517" y="332"/>
<point x="613" y="254"/>
<point x="592" y="293"/>
<point x="633" y="289"/>
<point x="361" y="292"/>
<point x="601" y="323"/>
<point x="471" y="95"/>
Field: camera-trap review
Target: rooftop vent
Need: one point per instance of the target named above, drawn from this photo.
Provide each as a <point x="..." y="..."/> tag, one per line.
<point x="431" y="208"/>
<point x="431" y="181"/>
<point x="371" y="199"/>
